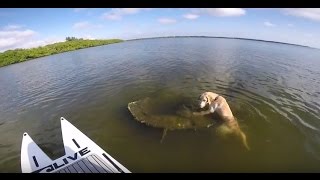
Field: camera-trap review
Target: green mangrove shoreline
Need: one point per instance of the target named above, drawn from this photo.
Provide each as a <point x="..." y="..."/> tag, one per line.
<point x="20" y="55"/>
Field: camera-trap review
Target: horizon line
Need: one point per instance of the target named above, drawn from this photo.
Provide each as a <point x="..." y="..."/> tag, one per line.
<point x="224" y="37"/>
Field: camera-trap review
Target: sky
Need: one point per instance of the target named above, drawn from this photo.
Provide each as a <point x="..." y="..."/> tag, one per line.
<point x="26" y="28"/>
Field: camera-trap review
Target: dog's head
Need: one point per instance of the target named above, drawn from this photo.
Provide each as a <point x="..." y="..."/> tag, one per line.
<point x="203" y="100"/>
<point x="207" y="98"/>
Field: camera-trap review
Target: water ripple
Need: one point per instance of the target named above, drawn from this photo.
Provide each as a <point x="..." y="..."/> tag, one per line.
<point x="272" y="89"/>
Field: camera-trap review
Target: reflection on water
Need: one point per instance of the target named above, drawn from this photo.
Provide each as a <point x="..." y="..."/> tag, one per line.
<point x="272" y="89"/>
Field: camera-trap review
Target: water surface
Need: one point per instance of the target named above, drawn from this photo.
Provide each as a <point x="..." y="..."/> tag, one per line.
<point x="273" y="90"/>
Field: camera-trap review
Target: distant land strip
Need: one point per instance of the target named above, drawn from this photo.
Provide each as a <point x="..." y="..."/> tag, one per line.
<point x="20" y="55"/>
<point x="222" y="38"/>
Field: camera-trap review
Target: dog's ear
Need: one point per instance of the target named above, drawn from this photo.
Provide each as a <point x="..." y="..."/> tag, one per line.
<point x="209" y="98"/>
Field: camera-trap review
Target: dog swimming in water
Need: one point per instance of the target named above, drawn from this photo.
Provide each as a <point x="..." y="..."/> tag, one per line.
<point x="218" y="104"/>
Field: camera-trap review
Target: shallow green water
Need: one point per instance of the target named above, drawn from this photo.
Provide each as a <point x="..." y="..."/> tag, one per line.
<point x="273" y="90"/>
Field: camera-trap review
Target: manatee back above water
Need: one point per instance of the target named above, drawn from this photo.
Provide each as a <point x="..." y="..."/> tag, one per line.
<point x="168" y="113"/>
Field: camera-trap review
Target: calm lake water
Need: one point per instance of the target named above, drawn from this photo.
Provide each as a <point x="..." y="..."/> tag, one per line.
<point x="273" y="90"/>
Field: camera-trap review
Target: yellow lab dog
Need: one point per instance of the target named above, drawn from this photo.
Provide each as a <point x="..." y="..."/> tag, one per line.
<point x="219" y="104"/>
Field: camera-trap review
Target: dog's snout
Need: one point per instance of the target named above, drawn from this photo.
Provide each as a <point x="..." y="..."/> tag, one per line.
<point x="202" y="104"/>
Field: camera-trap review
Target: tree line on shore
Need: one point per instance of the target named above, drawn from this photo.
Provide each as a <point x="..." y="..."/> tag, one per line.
<point x="71" y="43"/>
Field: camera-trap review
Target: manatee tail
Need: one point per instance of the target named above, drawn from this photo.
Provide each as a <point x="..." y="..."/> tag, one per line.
<point x="244" y="140"/>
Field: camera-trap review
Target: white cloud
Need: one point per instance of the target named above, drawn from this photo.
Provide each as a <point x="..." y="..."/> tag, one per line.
<point x="269" y="24"/>
<point x="223" y="12"/>
<point x="79" y="9"/>
<point x="290" y="25"/>
<point x="191" y="16"/>
<point x="309" y="13"/>
<point x="166" y="21"/>
<point x="85" y="25"/>
<point x="118" y="13"/>
<point x="13" y="36"/>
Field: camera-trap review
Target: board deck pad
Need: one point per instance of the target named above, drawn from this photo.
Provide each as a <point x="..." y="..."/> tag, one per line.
<point x="82" y="155"/>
